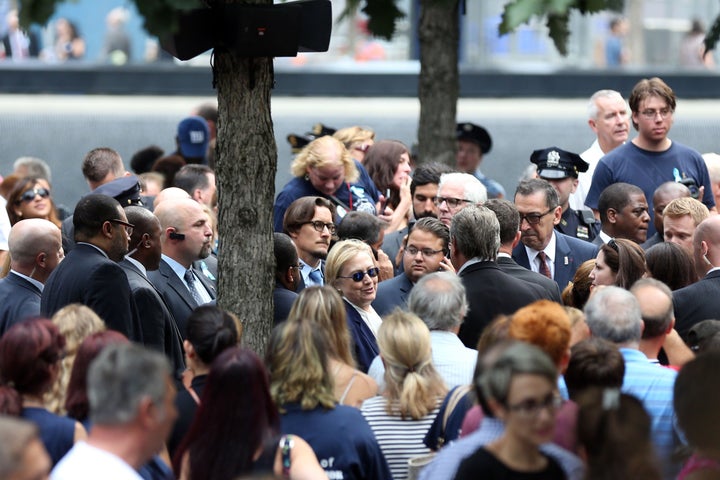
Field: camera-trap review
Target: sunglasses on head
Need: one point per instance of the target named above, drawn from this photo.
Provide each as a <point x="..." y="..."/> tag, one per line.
<point x="359" y="276"/>
<point x="29" y="195"/>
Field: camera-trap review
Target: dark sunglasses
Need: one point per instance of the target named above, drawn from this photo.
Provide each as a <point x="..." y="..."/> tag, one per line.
<point x="359" y="276"/>
<point x="29" y="195"/>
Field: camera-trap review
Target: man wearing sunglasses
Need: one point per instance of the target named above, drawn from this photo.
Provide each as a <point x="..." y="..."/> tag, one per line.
<point x="309" y="223"/>
<point x="543" y="249"/>
<point x="90" y="274"/>
<point x="651" y="158"/>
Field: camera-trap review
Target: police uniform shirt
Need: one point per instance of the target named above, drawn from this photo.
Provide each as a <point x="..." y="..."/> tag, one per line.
<point x="573" y="223"/>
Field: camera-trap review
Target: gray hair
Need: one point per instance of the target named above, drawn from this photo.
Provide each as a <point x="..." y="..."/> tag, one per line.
<point x="613" y="313"/>
<point x="120" y="378"/>
<point x="474" y="190"/>
<point x="475" y="231"/>
<point x="36" y="167"/>
<point x="592" y="107"/>
<point x="15" y="435"/>
<point x="439" y="300"/>
<point x="531" y="186"/>
<point x="518" y="358"/>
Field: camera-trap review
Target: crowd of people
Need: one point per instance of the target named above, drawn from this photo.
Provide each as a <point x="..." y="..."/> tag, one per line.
<point x="426" y="325"/>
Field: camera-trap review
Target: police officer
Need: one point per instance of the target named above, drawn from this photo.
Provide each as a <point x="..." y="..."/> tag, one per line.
<point x="473" y="142"/>
<point x="561" y="169"/>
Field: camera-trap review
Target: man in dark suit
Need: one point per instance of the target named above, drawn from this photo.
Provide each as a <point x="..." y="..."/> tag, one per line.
<point x="287" y="276"/>
<point x="542" y="248"/>
<point x="425" y="251"/>
<point x="701" y="300"/>
<point x="35" y="247"/>
<point x="186" y="237"/>
<point x="19" y="44"/>
<point x="509" y="220"/>
<point x="90" y="274"/>
<point x="474" y="243"/>
<point x="158" y="325"/>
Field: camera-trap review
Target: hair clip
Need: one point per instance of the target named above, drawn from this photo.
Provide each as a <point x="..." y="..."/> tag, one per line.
<point x="611" y="399"/>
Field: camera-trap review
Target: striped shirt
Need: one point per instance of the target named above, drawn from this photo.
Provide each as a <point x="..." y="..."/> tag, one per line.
<point x="399" y="439"/>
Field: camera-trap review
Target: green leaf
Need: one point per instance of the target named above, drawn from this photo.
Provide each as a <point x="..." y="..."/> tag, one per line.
<point x="593" y="6"/>
<point x="559" y="31"/>
<point x="712" y="36"/>
<point x="559" y="6"/>
<point x="518" y="12"/>
<point x="36" y="11"/>
<point x="382" y="15"/>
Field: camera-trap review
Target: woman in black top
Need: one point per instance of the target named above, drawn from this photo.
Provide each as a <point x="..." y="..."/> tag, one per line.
<point x="521" y="389"/>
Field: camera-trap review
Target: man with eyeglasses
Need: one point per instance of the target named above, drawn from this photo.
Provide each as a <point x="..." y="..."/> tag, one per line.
<point x="543" y="249"/>
<point x="455" y="192"/>
<point x="90" y="274"/>
<point x="561" y="169"/>
<point x="309" y="223"/>
<point x="651" y="158"/>
<point x="426" y="249"/>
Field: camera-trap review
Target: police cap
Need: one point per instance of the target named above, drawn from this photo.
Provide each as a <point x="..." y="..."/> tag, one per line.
<point x="474" y="133"/>
<point x="554" y="163"/>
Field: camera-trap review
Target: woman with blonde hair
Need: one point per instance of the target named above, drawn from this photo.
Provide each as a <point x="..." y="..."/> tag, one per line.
<point x="324" y="168"/>
<point x="75" y="322"/>
<point x="324" y="306"/>
<point x="401" y="417"/>
<point x="357" y="140"/>
<point x="350" y="268"/>
<point x="302" y="387"/>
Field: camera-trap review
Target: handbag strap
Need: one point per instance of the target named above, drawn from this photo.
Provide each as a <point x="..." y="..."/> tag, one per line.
<point x="453" y="401"/>
<point x="286" y="445"/>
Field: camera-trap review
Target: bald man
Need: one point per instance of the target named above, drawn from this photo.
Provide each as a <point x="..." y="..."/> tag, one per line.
<point x="35" y="247"/>
<point x="186" y="236"/>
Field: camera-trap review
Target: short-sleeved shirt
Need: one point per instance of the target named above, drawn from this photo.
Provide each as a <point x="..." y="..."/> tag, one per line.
<point x="648" y="170"/>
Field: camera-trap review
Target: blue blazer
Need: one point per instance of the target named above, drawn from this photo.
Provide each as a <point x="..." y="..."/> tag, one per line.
<point x="176" y="294"/>
<point x="19" y="299"/>
<point x="392" y="293"/>
<point x="570" y="253"/>
<point x="366" y="348"/>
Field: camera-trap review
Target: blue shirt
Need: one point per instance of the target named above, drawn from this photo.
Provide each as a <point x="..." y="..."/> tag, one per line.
<point x="653" y="384"/>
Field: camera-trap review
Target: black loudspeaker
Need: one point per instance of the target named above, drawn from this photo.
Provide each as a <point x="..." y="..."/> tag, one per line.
<point x="280" y="30"/>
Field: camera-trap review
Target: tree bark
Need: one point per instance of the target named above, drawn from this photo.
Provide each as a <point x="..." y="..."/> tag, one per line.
<point x="439" y="84"/>
<point x="246" y="164"/>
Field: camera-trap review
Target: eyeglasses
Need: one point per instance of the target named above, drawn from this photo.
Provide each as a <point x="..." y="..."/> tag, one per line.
<point x="359" y="276"/>
<point x="426" y="252"/>
<point x="534" y="218"/>
<point x="451" y="202"/>
<point x="531" y="408"/>
<point x="650" y="114"/>
<point x="319" y="226"/>
<point x="129" y="227"/>
<point x="29" y="195"/>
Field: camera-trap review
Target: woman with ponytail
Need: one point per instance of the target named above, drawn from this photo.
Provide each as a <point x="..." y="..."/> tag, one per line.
<point x="413" y="391"/>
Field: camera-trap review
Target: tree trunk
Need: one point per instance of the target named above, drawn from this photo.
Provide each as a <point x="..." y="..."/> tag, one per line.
<point x="439" y="80"/>
<point x="246" y="163"/>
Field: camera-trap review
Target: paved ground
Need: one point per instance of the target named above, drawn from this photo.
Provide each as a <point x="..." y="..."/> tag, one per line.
<point x="60" y="129"/>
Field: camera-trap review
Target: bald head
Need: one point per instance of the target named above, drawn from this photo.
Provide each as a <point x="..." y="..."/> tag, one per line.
<point x="655" y="299"/>
<point x="35" y="247"/>
<point x="664" y="194"/>
<point x="706" y="245"/>
<point x="170" y="193"/>
<point x="186" y="233"/>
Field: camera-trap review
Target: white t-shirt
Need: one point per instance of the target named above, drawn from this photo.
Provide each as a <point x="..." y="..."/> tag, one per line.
<point x="85" y="462"/>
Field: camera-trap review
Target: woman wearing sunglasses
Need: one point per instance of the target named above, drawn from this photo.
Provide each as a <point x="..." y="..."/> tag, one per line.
<point x="30" y="198"/>
<point x="351" y="269"/>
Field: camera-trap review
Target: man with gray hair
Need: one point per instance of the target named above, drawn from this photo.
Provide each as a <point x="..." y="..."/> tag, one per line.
<point x="614" y="314"/>
<point x="22" y="453"/>
<point x="455" y="192"/>
<point x="608" y="117"/>
<point x="474" y="244"/>
<point x="131" y="395"/>
<point x="439" y="300"/>
<point x="35" y="251"/>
